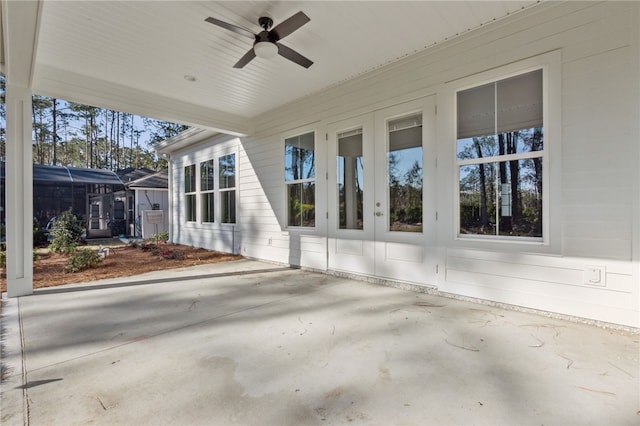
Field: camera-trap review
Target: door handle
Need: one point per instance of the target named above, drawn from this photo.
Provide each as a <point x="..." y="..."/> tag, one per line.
<point x="379" y="214"/>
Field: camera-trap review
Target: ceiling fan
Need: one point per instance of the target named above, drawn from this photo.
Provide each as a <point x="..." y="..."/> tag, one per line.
<point x="267" y="44"/>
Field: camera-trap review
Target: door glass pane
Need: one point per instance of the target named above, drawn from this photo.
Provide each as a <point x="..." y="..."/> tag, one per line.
<point x="404" y="158"/>
<point x="350" y="180"/>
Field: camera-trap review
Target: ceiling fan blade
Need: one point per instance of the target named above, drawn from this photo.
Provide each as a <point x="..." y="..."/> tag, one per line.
<point x="245" y="59"/>
<point x="288" y="26"/>
<point x="293" y="56"/>
<point x="236" y="29"/>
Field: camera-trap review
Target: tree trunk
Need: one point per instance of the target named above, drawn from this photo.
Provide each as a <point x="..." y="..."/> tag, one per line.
<point x="54" y="131"/>
<point x="91" y="139"/>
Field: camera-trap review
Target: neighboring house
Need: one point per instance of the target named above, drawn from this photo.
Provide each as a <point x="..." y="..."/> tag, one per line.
<point x="89" y="193"/>
<point x="149" y="205"/>
<point x="501" y="166"/>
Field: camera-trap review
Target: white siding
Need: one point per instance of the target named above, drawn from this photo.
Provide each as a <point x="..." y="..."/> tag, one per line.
<point x="595" y="211"/>
<point x="144" y="200"/>
<point x="213" y="236"/>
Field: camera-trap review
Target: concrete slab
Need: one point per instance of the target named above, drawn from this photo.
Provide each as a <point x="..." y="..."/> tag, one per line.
<point x="253" y="343"/>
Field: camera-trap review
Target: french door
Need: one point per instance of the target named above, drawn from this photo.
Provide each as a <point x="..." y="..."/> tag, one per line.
<point x="381" y="193"/>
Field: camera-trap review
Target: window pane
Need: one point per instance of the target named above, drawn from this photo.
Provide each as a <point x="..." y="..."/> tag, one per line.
<point x="477" y="199"/>
<point x="405" y="174"/>
<point x="517" y="142"/>
<point x="519" y="102"/>
<point x="500" y="118"/>
<point x="476" y="111"/>
<point x="190" y="206"/>
<point x="350" y="180"/>
<point x="520" y="198"/>
<point x="502" y="198"/>
<point x="228" y="206"/>
<point x="206" y="175"/>
<point x="207" y="207"/>
<point x="190" y="178"/>
<point x="227" y="171"/>
<point x="299" y="157"/>
<point x="301" y="202"/>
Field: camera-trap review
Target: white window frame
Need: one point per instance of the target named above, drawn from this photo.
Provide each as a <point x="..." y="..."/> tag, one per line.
<point x="203" y="192"/>
<point x="550" y="242"/>
<point x="193" y="192"/>
<point x="313" y="180"/>
<point x="221" y="190"/>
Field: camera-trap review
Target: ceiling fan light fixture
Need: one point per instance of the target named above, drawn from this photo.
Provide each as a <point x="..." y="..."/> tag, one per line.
<point x="265" y="49"/>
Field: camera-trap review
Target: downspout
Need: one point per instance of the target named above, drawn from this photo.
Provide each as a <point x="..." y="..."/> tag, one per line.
<point x="170" y="196"/>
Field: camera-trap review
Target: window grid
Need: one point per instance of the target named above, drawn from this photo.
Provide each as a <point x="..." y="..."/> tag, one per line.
<point x="300" y="180"/>
<point x="500" y="151"/>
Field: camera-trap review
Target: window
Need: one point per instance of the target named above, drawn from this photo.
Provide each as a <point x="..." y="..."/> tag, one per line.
<point x="206" y="191"/>
<point x="500" y="149"/>
<point x="190" y="192"/>
<point x="227" y="189"/>
<point x="299" y="176"/>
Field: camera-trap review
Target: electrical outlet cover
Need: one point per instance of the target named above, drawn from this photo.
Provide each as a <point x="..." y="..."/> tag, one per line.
<point x="594" y="275"/>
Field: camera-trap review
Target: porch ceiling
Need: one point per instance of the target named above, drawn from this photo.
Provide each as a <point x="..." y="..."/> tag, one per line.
<point x="134" y="55"/>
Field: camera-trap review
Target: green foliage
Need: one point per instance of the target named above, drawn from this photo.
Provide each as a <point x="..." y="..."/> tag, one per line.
<point x="86" y="136"/>
<point x="163" y="236"/>
<point x="82" y="259"/>
<point x="66" y="233"/>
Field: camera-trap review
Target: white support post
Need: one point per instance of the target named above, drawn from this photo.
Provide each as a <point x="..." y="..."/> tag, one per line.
<point x="19" y="192"/>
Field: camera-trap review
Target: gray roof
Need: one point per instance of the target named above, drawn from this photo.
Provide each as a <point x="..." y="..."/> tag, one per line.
<point x="43" y="174"/>
<point x="159" y="180"/>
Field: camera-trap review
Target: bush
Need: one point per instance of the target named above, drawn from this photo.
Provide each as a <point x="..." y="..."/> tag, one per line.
<point x="164" y="237"/>
<point x="83" y="259"/>
<point x="66" y="233"/>
<point x="3" y="255"/>
<point x="173" y="254"/>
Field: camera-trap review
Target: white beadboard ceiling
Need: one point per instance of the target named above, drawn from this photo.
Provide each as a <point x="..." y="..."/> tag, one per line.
<point x="132" y="54"/>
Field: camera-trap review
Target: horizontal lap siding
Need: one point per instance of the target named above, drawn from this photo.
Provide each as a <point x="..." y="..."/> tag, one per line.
<point x="551" y="283"/>
<point x="262" y="200"/>
<point x="212" y="236"/>
<point x="601" y="150"/>
<point x="599" y="182"/>
<point x="598" y="190"/>
<point x="599" y="165"/>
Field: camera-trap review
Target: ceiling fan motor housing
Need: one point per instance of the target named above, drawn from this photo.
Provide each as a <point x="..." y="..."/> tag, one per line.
<point x="265" y="22"/>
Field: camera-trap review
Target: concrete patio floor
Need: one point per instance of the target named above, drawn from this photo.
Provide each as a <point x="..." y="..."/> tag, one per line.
<point x="253" y="343"/>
